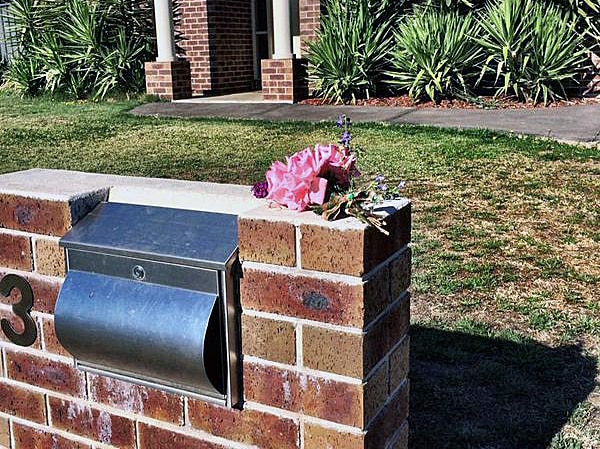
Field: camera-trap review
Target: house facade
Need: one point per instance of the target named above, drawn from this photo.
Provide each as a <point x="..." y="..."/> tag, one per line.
<point x="229" y="46"/>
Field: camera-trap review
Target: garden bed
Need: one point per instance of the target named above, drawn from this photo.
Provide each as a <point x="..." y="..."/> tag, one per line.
<point x="404" y="101"/>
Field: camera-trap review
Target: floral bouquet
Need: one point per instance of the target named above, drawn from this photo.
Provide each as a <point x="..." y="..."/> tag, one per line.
<point x="325" y="179"/>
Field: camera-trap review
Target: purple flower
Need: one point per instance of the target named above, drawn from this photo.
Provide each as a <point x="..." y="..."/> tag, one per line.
<point x="379" y="179"/>
<point x="346" y="138"/>
<point x="340" y="121"/>
<point x="383" y="187"/>
<point x="260" y="189"/>
<point x="401" y="185"/>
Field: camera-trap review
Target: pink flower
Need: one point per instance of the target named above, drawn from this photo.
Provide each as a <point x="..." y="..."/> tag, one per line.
<point x="304" y="179"/>
<point x="339" y="164"/>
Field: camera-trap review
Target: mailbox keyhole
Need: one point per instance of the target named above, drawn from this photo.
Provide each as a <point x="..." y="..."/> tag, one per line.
<point x="138" y="273"/>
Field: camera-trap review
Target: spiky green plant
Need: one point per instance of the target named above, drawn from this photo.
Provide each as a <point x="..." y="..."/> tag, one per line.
<point x="557" y="55"/>
<point x="533" y="50"/>
<point x="434" y="55"/>
<point x="81" y="48"/>
<point x="349" y="55"/>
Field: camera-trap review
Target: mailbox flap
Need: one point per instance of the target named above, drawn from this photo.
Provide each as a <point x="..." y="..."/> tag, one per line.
<point x="194" y="238"/>
<point x="155" y="333"/>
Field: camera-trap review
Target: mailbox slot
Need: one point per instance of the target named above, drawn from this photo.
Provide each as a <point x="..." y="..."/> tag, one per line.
<point x="151" y="297"/>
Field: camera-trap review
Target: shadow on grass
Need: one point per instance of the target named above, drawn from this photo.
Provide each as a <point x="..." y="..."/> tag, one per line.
<point x="473" y="391"/>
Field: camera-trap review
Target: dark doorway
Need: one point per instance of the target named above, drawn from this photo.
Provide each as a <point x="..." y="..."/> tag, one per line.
<point x="263" y="41"/>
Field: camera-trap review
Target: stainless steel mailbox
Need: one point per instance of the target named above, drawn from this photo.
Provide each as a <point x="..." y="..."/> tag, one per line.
<point x="151" y="297"/>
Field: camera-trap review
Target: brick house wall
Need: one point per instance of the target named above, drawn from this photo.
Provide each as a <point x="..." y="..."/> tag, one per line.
<point x="216" y="38"/>
<point x="324" y="332"/>
<point x="310" y="17"/>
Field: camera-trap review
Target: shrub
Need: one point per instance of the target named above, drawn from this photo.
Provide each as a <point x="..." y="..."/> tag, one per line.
<point x="81" y="47"/>
<point x="435" y="55"/>
<point x="533" y="50"/>
<point x="349" y="55"/>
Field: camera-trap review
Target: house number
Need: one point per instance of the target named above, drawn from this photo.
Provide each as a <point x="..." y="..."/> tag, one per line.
<point x="22" y="309"/>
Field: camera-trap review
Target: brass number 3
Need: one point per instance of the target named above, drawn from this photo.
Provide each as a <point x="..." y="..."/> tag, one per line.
<point x="21" y="309"/>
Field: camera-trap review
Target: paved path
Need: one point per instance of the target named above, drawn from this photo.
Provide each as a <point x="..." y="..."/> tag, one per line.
<point x="572" y="123"/>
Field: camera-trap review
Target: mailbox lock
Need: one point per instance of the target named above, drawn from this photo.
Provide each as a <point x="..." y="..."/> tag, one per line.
<point x="138" y="273"/>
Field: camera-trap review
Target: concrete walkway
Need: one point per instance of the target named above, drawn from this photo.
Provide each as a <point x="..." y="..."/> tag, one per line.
<point x="571" y="123"/>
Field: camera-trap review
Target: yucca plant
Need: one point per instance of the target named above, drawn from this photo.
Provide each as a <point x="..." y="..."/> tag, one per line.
<point x="505" y="37"/>
<point x="350" y="53"/>
<point x="556" y="55"/>
<point x="435" y="56"/>
<point x="533" y="50"/>
<point x="82" y="48"/>
<point x="24" y="75"/>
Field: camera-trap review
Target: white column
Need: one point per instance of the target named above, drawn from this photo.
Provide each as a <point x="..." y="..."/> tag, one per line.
<point x="282" y="29"/>
<point x="165" y="42"/>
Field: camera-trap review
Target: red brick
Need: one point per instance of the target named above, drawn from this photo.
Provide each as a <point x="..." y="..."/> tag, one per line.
<point x="376" y="391"/>
<point x="353" y="354"/>
<point x="4" y="432"/>
<point x="297" y="295"/>
<point x="267" y="241"/>
<point x="45" y="373"/>
<point x="29" y="438"/>
<point x="309" y="22"/>
<point x="92" y="423"/>
<point x="387" y="332"/>
<point x="333" y="351"/>
<point x="15" y="252"/>
<point x="137" y="399"/>
<point x="377" y="293"/>
<point x="22" y="403"/>
<point x="317" y="437"/>
<point x="45" y="291"/>
<point x="45" y="216"/>
<point x="389" y="420"/>
<point x="51" y="342"/>
<point x="400" y="440"/>
<point x="327" y="399"/>
<point x="400" y="273"/>
<point x="353" y="251"/>
<point x="269" y="339"/>
<point x="156" y="438"/>
<point x="49" y="258"/>
<point x="399" y="363"/>
<point x="34" y="215"/>
<point x="252" y="427"/>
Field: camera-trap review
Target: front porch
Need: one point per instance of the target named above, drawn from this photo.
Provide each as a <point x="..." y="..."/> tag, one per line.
<point x="209" y="48"/>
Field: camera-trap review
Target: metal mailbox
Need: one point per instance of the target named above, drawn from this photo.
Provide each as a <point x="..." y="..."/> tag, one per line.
<point x="151" y="297"/>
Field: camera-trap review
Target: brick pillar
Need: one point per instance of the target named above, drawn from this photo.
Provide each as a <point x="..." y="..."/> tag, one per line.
<point x="169" y="80"/>
<point x="284" y="80"/>
<point x="325" y="325"/>
<point x="310" y="20"/>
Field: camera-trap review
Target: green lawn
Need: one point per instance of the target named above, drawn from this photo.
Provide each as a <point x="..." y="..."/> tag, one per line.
<point x="506" y="302"/>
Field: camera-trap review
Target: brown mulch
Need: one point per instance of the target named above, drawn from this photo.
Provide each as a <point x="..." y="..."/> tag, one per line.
<point x="486" y="102"/>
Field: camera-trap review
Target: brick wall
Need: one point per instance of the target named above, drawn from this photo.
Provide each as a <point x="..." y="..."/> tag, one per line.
<point x="324" y="339"/>
<point x="217" y="42"/>
<point x="193" y="29"/>
<point x="310" y="20"/>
